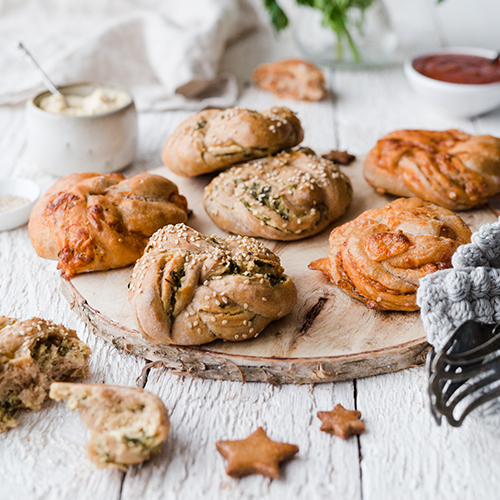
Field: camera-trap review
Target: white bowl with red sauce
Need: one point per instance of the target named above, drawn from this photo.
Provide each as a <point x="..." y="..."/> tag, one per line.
<point x="463" y="82"/>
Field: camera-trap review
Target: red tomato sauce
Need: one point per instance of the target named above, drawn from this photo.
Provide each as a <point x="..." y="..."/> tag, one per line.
<point x="459" y="68"/>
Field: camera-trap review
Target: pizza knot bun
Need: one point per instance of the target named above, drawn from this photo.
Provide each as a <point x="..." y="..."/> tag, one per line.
<point x="127" y="424"/>
<point x="94" y="222"/>
<point x="288" y="196"/>
<point x="190" y="289"/>
<point x="291" y="79"/>
<point x="451" y="168"/>
<point x="214" y="139"/>
<point x="34" y="353"/>
<point x="379" y="257"/>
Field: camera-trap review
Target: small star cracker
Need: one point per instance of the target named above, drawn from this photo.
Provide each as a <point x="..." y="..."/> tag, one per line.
<point x="340" y="157"/>
<point x="341" y="422"/>
<point x="256" y="454"/>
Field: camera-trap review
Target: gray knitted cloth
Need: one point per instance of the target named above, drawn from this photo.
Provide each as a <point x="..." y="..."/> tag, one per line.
<point x="470" y="290"/>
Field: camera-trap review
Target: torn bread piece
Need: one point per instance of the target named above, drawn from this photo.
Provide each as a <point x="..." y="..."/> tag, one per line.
<point x="127" y="424"/>
<point x="33" y="354"/>
<point x="291" y="79"/>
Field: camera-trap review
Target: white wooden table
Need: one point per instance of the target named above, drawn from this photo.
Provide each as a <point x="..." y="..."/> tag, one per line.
<point x="403" y="454"/>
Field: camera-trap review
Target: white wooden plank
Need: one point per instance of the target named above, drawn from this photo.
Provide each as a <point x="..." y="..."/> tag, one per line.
<point x="203" y="412"/>
<point x="406" y="455"/>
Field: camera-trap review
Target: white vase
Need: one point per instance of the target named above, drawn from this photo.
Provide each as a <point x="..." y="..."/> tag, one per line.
<point x="373" y="40"/>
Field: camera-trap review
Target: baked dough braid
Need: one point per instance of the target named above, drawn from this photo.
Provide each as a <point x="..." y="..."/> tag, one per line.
<point x="379" y="257"/>
<point x="190" y="289"/>
<point x="94" y="222"/>
<point x="451" y="168"/>
<point x="288" y="196"/>
<point x="214" y="139"/>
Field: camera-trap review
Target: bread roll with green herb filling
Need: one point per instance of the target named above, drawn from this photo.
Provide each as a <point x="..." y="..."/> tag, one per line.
<point x="191" y="289"/>
<point x="215" y="139"/>
<point x="288" y="196"/>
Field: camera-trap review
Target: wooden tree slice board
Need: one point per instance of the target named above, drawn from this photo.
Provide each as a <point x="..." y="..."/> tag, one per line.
<point x="328" y="336"/>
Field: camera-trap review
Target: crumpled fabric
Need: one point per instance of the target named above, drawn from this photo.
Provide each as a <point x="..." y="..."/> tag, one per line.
<point x="469" y="290"/>
<point x="167" y="52"/>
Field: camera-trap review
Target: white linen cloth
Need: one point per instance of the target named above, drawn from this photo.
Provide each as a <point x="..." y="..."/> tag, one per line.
<point x="167" y="52"/>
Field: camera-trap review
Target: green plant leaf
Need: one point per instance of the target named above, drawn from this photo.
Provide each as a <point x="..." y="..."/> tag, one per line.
<point x="278" y="16"/>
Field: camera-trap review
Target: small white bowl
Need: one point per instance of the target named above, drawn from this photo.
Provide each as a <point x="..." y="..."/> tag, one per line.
<point x="18" y="187"/>
<point x="456" y="99"/>
<point x="63" y="145"/>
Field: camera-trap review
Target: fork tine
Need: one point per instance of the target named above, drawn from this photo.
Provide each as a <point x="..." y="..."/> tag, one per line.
<point x="463" y="372"/>
<point x="470" y="371"/>
<point x="472" y="406"/>
<point x="429" y="362"/>
<point x="455" y="398"/>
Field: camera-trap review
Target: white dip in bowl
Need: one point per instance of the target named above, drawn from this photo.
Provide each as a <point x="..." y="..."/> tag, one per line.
<point x="93" y="129"/>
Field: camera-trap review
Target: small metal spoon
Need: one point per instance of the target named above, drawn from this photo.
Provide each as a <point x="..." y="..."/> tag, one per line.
<point x="39" y="71"/>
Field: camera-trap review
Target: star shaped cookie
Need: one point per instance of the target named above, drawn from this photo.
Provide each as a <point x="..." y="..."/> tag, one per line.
<point x="341" y="422"/>
<point x="256" y="454"/>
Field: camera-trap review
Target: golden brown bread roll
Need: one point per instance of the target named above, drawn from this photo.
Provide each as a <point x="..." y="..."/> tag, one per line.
<point x="292" y="79"/>
<point x="191" y="289"/>
<point x="451" y="168"/>
<point x="379" y="257"/>
<point x="288" y="196"/>
<point x="94" y="222"/>
<point x="33" y="354"/>
<point x="127" y="424"/>
<point x="214" y="139"/>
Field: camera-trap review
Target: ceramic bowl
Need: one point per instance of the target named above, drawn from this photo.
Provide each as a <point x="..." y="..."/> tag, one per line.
<point x="18" y="187"/>
<point x="63" y="145"/>
<point x="456" y="99"/>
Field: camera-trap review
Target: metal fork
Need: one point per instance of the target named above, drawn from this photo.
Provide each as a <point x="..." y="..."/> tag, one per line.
<point x="463" y="375"/>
